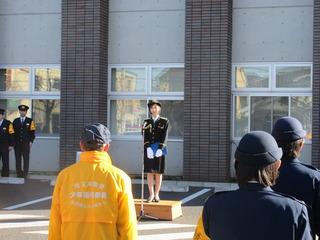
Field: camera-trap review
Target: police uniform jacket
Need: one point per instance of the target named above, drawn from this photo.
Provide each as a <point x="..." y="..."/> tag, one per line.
<point x="6" y="135"/>
<point x="253" y="212"/>
<point x="303" y="182"/>
<point x="24" y="132"/>
<point x="156" y="132"/>
<point x="92" y="199"/>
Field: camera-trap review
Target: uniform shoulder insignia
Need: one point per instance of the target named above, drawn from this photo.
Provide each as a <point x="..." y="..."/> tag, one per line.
<point x="217" y="194"/>
<point x="163" y="118"/>
<point x="309" y="166"/>
<point x="147" y="120"/>
<point x="291" y="197"/>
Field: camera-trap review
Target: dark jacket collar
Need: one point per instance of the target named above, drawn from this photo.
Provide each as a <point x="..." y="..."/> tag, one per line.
<point x="289" y="161"/>
<point x="253" y="186"/>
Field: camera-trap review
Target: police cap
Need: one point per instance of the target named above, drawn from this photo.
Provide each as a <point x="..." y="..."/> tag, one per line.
<point x="258" y="148"/>
<point x="96" y="133"/>
<point x="288" y="129"/>
<point x="152" y="102"/>
<point x="23" y="107"/>
<point x="2" y="111"/>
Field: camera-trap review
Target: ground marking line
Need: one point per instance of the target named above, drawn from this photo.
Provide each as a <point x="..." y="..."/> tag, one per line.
<point x="195" y="195"/>
<point x="156" y="226"/>
<point x="23" y="224"/>
<point x="45" y="232"/>
<point x="17" y="216"/>
<point x="27" y="203"/>
<point x="167" y="236"/>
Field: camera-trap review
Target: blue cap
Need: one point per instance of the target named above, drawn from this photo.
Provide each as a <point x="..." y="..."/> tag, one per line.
<point x="96" y="133"/>
<point x="288" y="129"/>
<point x="258" y="149"/>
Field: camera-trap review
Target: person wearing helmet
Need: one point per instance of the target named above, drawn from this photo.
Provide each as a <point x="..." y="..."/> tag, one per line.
<point x="92" y="199"/>
<point x="254" y="211"/>
<point x="155" y="133"/>
<point x="296" y="178"/>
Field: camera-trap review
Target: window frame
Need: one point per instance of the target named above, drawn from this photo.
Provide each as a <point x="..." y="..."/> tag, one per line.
<point x="291" y="65"/>
<point x="272" y="91"/>
<point x="32" y="94"/>
<point x="234" y="88"/>
<point x="143" y="96"/>
<point x="34" y="67"/>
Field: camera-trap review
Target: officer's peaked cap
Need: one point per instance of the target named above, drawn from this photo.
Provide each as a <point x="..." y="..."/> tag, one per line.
<point x="96" y="133"/>
<point x="23" y="107"/>
<point x="152" y="102"/>
<point x="258" y="148"/>
<point x="288" y="129"/>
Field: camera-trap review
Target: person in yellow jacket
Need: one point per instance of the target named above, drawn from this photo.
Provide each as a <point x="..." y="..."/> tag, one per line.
<point x="92" y="199"/>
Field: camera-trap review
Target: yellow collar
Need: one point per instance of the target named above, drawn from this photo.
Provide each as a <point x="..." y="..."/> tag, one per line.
<point x="95" y="156"/>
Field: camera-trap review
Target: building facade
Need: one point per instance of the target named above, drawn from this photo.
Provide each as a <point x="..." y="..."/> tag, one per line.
<point x="220" y="68"/>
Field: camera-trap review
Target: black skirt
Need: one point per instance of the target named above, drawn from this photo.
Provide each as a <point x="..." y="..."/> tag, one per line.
<point x="155" y="165"/>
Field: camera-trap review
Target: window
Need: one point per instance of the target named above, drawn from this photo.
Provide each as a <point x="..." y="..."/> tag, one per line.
<point x="287" y="93"/>
<point x="47" y="79"/>
<point x="167" y="79"/>
<point x="35" y="86"/>
<point x="128" y="80"/>
<point x="127" y="116"/>
<point x="130" y="88"/>
<point x="252" y="77"/>
<point x="46" y="115"/>
<point x="15" y="79"/>
<point x="293" y="77"/>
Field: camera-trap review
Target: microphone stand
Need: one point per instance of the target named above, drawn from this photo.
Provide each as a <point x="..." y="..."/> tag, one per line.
<point x="143" y="215"/>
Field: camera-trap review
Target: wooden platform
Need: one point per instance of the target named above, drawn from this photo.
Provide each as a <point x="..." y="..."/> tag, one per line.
<point x="164" y="210"/>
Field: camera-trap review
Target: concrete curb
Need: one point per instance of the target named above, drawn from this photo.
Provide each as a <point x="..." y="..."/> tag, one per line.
<point x="11" y="180"/>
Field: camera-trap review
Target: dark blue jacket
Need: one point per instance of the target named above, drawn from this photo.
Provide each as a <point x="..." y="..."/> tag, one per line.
<point x="302" y="182"/>
<point x="255" y="212"/>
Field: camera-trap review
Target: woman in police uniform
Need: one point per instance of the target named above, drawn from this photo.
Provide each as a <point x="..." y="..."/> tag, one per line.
<point x="155" y="131"/>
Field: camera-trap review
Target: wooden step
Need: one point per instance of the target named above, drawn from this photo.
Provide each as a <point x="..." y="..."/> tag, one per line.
<point x="164" y="210"/>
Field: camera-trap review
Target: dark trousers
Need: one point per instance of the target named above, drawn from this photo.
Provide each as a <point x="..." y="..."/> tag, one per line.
<point x="4" y="155"/>
<point x="22" y="150"/>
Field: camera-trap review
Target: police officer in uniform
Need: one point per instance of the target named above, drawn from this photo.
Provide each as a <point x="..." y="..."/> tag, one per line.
<point x="155" y="131"/>
<point x="254" y="211"/>
<point x="6" y="142"/>
<point x="24" y="135"/>
<point x="297" y="179"/>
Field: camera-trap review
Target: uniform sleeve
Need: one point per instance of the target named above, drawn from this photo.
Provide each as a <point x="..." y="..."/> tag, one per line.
<point x="164" y="136"/>
<point x="303" y="230"/>
<point x="11" y="135"/>
<point x="145" y="127"/>
<point x="127" y="219"/>
<point x="55" y="214"/>
<point x="32" y="131"/>
<point x="200" y="233"/>
<point x="317" y="210"/>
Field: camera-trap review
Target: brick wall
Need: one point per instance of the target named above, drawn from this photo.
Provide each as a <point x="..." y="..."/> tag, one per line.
<point x="207" y="104"/>
<point x="316" y="86"/>
<point x="84" y="66"/>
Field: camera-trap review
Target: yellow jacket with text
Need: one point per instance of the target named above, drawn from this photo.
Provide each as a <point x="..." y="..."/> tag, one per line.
<point x="92" y="199"/>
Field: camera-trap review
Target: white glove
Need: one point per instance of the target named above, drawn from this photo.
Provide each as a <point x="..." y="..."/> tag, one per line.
<point x="150" y="153"/>
<point x="159" y="153"/>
